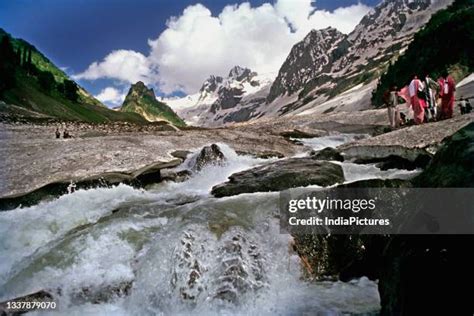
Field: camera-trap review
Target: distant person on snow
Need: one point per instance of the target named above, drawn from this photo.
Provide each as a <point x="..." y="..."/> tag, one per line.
<point x="447" y="88"/>
<point x="391" y="100"/>
<point x="57" y="133"/>
<point x="415" y="89"/>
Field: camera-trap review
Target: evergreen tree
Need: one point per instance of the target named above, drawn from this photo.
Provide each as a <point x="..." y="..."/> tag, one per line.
<point x="7" y="65"/>
<point x="70" y="90"/>
<point x="46" y="81"/>
<point x="28" y="63"/>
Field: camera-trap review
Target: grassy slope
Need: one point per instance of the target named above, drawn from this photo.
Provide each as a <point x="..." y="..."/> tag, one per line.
<point x="152" y="108"/>
<point x="447" y="41"/>
<point x="28" y="94"/>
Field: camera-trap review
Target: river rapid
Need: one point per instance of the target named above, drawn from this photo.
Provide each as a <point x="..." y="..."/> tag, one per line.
<point x="172" y="248"/>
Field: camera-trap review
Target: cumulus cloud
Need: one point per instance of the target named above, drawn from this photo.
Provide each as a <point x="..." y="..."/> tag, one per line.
<point x="197" y="44"/>
<point x="124" y="65"/>
<point x="111" y="96"/>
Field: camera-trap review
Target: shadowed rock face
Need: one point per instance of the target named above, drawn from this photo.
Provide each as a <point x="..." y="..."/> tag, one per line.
<point x="281" y="175"/>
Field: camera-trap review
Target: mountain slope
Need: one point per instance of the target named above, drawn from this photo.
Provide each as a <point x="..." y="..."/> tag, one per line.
<point x="40" y="87"/>
<point x="446" y="41"/>
<point x="358" y="58"/>
<point x="143" y="101"/>
<point x="308" y="58"/>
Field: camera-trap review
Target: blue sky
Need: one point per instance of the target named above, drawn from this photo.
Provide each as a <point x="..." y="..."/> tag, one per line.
<point x="74" y="34"/>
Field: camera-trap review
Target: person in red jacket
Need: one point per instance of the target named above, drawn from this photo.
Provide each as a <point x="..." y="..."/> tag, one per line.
<point x="417" y="103"/>
<point x="447" y="88"/>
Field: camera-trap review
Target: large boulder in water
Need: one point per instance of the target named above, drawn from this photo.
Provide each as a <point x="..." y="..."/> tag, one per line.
<point x="281" y="175"/>
<point x="327" y="153"/>
<point x="209" y="155"/>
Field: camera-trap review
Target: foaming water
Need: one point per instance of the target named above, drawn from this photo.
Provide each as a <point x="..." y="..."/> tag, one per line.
<point x="355" y="172"/>
<point x="171" y="249"/>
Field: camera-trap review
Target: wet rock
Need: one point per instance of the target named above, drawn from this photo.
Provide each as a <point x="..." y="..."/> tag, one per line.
<point x="102" y="294"/>
<point x="209" y="155"/>
<point x="175" y="176"/>
<point x="296" y="133"/>
<point x="241" y="267"/>
<point x="264" y="154"/>
<point x="187" y="268"/>
<point x="346" y="256"/>
<point x="327" y="153"/>
<point x="181" y="154"/>
<point x="281" y="175"/>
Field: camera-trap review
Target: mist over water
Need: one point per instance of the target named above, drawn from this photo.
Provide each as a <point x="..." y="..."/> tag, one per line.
<point x="170" y="249"/>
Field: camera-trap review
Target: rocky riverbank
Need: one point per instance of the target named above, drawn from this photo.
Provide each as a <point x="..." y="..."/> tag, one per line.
<point x="34" y="159"/>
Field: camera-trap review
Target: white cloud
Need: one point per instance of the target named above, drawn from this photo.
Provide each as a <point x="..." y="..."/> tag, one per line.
<point x="111" y="96"/>
<point x="198" y="44"/>
<point x="124" y="65"/>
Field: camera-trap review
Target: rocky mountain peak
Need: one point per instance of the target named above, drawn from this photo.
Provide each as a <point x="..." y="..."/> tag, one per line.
<point x="139" y="89"/>
<point x="239" y="73"/>
<point x="142" y="100"/>
<point x="307" y="58"/>
<point x="211" y="84"/>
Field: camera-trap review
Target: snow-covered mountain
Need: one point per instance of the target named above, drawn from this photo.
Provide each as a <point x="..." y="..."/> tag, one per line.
<point x="224" y="100"/>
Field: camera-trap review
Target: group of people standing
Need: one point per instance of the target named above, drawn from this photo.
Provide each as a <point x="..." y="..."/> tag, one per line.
<point x="430" y="100"/>
<point x="66" y="134"/>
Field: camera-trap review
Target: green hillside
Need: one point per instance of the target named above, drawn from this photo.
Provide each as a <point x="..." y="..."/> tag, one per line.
<point x="445" y="43"/>
<point x="143" y="101"/>
<point x="31" y="81"/>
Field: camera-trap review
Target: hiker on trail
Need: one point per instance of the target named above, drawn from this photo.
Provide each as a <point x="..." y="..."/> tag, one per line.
<point x="431" y="91"/>
<point x="391" y="100"/>
<point x="447" y="88"/>
<point x="57" y="133"/>
<point x="418" y="103"/>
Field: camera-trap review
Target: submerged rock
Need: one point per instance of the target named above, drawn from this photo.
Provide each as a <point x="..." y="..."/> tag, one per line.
<point x="281" y="175"/>
<point x="327" y="153"/>
<point x="209" y="155"/>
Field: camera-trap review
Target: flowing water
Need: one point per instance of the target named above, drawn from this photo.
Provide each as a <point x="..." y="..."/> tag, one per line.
<point x="170" y="249"/>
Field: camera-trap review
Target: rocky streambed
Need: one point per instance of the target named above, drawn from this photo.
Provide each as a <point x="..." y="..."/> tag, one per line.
<point x="173" y="247"/>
